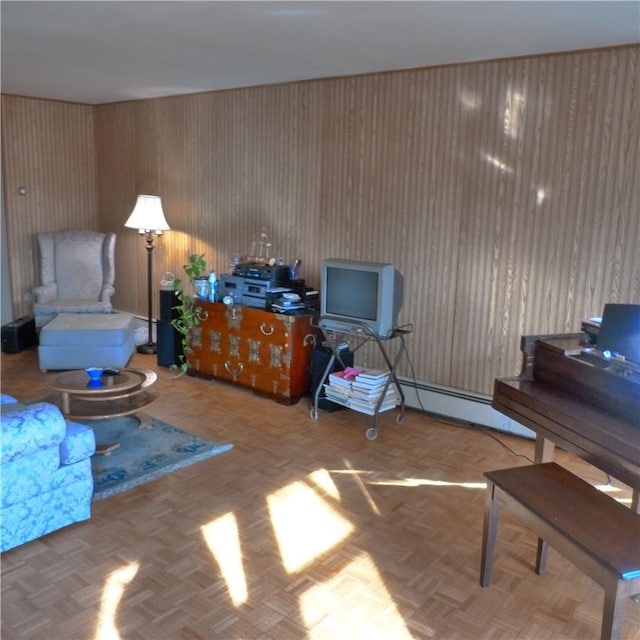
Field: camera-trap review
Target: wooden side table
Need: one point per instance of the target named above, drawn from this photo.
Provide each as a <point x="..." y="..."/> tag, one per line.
<point x="124" y="393"/>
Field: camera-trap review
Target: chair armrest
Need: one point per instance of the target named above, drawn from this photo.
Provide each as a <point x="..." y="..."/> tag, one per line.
<point x="29" y="428"/>
<point x="106" y="293"/>
<point x="46" y="293"/>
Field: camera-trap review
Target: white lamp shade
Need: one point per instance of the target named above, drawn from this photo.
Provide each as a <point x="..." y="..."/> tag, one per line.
<point x="147" y="215"/>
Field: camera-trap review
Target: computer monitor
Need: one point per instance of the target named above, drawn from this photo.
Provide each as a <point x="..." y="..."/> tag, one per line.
<point x="619" y="333"/>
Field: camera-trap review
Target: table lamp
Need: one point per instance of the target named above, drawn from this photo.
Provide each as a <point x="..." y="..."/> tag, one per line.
<point x="148" y="218"/>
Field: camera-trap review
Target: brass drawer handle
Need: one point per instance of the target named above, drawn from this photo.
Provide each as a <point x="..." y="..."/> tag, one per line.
<point x="234" y="372"/>
<point x="266" y="329"/>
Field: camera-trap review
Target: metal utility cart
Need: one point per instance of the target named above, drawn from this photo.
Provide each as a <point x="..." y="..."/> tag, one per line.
<point x="363" y="333"/>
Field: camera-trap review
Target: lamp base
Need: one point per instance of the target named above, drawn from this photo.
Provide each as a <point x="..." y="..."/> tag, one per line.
<point x="148" y="348"/>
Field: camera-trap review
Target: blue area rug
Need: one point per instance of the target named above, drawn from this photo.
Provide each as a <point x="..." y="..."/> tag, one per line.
<point x="143" y="454"/>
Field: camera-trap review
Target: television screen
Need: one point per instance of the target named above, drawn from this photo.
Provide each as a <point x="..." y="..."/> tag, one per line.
<point x="363" y="293"/>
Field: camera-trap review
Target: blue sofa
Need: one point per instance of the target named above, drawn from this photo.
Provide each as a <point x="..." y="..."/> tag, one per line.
<point x="45" y="468"/>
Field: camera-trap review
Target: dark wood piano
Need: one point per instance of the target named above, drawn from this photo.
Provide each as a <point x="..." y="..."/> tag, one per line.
<point x="583" y="404"/>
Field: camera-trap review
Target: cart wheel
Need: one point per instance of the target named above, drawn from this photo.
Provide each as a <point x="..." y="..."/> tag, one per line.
<point x="400" y="418"/>
<point x="371" y="433"/>
<point x="313" y="414"/>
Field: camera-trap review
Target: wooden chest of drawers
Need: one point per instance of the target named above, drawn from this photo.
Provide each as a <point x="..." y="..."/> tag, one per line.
<point x="269" y="353"/>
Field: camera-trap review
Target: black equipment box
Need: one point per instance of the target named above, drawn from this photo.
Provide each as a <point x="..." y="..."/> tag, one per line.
<point x="19" y="334"/>
<point x="276" y="275"/>
<point x="320" y="359"/>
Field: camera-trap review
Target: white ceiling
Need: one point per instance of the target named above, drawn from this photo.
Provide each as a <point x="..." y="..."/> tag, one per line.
<point x="96" y="52"/>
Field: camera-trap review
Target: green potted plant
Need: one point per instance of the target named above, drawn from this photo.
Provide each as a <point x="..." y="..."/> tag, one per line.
<point x="196" y="270"/>
<point x="188" y="313"/>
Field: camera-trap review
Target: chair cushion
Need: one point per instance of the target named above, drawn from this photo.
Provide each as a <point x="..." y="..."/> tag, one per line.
<point x="76" y="329"/>
<point x="71" y="305"/>
<point x="78" y="264"/>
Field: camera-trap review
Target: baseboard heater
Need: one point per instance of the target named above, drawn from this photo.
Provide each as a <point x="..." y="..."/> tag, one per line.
<point x="466" y="406"/>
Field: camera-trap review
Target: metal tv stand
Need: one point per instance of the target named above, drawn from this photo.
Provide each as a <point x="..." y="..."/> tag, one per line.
<point x="364" y="333"/>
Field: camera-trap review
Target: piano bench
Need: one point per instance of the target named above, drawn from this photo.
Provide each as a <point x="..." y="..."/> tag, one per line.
<point x="599" y="535"/>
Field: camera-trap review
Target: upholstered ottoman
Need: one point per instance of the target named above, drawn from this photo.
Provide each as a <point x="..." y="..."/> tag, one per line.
<point x="79" y="340"/>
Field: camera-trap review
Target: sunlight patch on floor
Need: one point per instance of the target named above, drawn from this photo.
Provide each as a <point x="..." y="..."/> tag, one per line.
<point x="423" y="482"/>
<point x="322" y="479"/>
<point x="305" y="524"/>
<point x="223" y="540"/>
<point x="354" y="603"/>
<point x="609" y="488"/>
<point x="355" y="474"/>
<point x="112" y="593"/>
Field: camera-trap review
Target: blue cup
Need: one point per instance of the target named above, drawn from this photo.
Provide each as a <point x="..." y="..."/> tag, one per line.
<point x="94" y="373"/>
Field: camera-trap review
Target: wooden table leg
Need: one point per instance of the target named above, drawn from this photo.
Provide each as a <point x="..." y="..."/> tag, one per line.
<point x="489" y="534"/>
<point x="106" y="448"/>
<point x="146" y="421"/>
<point x="543" y="453"/>
<point x="544" y="450"/>
<point x="65" y="402"/>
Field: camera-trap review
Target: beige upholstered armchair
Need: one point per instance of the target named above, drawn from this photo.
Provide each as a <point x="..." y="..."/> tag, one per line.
<point x="77" y="270"/>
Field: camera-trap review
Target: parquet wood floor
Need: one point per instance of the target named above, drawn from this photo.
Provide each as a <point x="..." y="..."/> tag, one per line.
<point x="305" y="530"/>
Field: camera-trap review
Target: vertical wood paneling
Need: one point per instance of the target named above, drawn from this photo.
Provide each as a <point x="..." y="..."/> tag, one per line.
<point x="575" y="238"/>
<point x="47" y="147"/>
<point x="506" y="191"/>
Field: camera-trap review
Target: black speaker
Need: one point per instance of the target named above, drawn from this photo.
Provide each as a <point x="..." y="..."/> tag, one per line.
<point x="169" y="344"/>
<point x="168" y="300"/>
<point x="167" y="338"/>
<point x="319" y="361"/>
<point x="19" y="334"/>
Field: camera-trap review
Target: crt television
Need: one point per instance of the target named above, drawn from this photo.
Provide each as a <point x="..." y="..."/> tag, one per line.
<point x="360" y="297"/>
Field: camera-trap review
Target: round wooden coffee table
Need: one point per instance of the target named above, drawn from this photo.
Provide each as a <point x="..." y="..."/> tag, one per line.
<point x="123" y="393"/>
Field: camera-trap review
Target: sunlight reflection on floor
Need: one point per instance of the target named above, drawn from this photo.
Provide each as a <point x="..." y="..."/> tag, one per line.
<point x="305" y="524"/>
<point x="114" y="588"/>
<point x="223" y="540"/>
<point x="330" y="609"/>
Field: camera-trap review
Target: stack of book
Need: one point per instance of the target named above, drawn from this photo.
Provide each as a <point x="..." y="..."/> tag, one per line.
<point x="338" y="389"/>
<point x="362" y="391"/>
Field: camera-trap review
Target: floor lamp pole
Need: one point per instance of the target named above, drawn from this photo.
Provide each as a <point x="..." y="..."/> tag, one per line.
<point x="150" y="346"/>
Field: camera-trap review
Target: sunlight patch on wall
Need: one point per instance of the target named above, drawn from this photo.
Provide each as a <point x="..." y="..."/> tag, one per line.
<point x="513" y="113"/>
<point x="112" y="593"/>
<point x="496" y="162"/>
<point x="470" y="100"/>
<point x="223" y="540"/>
<point x="353" y="603"/>
<point x="305" y="524"/>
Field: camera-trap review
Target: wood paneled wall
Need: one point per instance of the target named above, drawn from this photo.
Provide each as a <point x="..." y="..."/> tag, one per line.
<point x="47" y="148"/>
<point x="507" y="192"/>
